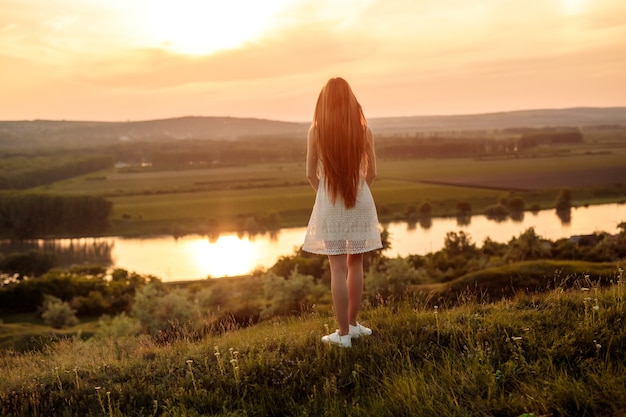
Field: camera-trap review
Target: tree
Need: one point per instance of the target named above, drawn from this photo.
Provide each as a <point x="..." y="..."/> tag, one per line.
<point x="564" y="200"/>
<point x="527" y="246"/>
<point x="458" y="243"/>
<point x="426" y="209"/>
<point x="516" y="204"/>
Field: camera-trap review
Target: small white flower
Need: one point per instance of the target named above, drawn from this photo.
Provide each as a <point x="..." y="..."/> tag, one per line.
<point x="516" y="338"/>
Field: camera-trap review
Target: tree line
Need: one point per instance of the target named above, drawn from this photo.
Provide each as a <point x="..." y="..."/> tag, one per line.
<point x="25" y="215"/>
<point x="23" y="170"/>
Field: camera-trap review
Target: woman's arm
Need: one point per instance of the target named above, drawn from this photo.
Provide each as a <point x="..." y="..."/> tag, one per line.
<point x="311" y="159"/>
<point x="370" y="175"/>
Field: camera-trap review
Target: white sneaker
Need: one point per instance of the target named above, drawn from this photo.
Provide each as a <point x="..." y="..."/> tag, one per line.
<point x="336" y="339"/>
<point x="359" y="330"/>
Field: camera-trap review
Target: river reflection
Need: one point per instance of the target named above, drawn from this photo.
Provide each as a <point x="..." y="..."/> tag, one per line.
<point x="195" y="257"/>
<point x="198" y="257"/>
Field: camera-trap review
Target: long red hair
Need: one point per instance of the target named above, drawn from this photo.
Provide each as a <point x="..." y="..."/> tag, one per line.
<point x="341" y="139"/>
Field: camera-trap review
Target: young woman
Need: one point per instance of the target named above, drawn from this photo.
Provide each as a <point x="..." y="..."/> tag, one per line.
<point x="341" y="165"/>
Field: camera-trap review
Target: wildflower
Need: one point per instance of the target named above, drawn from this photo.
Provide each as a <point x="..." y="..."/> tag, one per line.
<point x="596" y="307"/>
<point x="584" y="289"/>
<point x="516" y="338"/>
<point x="189" y="361"/>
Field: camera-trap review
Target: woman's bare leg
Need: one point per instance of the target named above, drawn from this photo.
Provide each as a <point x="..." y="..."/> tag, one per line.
<point x="355" y="286"/>
<point x="339" y="290"/>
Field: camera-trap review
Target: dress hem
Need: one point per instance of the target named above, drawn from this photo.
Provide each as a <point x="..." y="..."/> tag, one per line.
<point x="346" y="252"/>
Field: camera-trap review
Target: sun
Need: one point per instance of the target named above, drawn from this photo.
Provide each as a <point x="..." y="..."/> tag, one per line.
<point x="572" y="7"/>
<point x="203" y="27"/>
<point x="228" y="256"/>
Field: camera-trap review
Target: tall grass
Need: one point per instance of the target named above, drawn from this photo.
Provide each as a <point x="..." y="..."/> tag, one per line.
<point x="561" y="352"/>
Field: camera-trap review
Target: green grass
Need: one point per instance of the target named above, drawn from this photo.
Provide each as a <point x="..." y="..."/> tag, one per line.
<point x="562" y="353"/>
<point x="24" y="332"/>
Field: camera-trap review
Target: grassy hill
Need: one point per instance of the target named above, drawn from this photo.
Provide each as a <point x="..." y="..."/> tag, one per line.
<point x="561" y="352"/>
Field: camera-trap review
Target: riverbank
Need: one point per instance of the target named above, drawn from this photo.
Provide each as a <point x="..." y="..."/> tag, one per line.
<point x="395" y="204"/>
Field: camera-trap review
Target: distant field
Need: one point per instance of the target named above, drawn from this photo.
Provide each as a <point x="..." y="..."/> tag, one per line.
<point x="567" y="171"/>
<point x="226" y="198"/>
<point x="114" y="183"/>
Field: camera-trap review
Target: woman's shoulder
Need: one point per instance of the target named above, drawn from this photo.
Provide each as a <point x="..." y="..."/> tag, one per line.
<point x="312" y="135"/>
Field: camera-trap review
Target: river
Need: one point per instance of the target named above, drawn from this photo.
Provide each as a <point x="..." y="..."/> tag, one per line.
<point x="198" y="257"/>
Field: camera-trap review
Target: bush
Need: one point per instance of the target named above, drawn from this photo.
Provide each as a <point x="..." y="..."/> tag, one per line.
<point x="156" y="308"/>
<point x="293" y="295"/>
<point x="393" y="278"/>
<point x="57" y="313"/>
<point x="118" y="332"/>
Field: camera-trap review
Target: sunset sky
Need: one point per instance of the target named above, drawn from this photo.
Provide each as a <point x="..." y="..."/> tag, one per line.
<point x="149" y="59"/>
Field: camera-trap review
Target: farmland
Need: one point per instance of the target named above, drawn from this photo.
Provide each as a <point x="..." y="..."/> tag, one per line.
<point x="224" y="198"/>
<point x="212" y="175"/>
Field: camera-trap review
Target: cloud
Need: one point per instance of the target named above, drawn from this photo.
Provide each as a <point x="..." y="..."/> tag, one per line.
<point x="401" y="56"/>
<point x="307" y="50"/>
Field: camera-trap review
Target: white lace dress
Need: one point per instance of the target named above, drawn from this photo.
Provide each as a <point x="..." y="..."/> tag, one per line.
<point x="334" y="229"/>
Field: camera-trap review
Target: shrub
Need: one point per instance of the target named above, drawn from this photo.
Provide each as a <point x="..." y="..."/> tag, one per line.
<point x="393" y="278"/>
<point x="57" y="313"/>
<point x="118" y="332"/>
<point x="293" y="295"/>
<point x="156" y="308"/>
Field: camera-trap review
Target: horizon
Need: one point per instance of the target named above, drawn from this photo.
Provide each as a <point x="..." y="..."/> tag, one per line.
<point x="145" y="60"/>
<point x="308" y="121"/>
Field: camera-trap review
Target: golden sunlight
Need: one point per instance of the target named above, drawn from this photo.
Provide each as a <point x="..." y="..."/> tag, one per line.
<point x="200" y="27"/>
<point x="572" y="7"/>
<point x="228" y="256"/>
